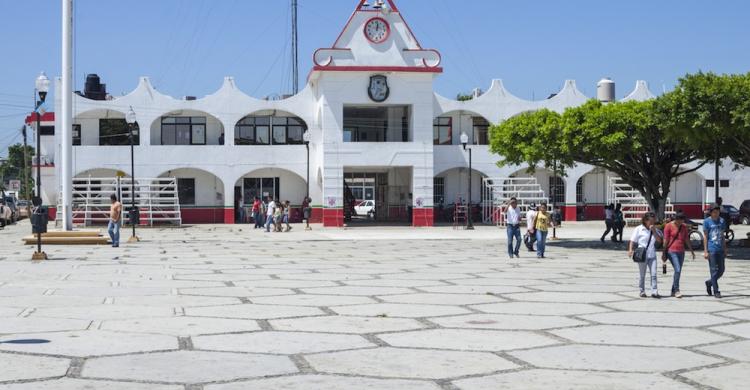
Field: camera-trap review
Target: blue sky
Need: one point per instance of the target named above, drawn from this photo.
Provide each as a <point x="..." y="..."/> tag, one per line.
<point x="188" y="46"/>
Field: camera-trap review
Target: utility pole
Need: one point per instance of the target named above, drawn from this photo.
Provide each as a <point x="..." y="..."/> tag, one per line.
<point x="25" y="166"/>
<point x="295" y="49"/>
<point x="66" y="120"/>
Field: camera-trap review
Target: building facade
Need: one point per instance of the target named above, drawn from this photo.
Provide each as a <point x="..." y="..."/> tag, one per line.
<point x="376" y="131"/>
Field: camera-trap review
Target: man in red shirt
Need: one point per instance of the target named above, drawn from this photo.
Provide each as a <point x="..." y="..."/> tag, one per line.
<point x="676" y="239"/>
<point x="257" y="213"/>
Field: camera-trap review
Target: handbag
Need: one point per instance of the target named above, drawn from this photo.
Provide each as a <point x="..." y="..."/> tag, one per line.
<point x="639" y="255"/>
<point x="664" y="254"/>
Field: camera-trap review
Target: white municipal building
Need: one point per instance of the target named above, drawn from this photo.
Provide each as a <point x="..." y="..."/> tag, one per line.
<point x="376" y="130"/>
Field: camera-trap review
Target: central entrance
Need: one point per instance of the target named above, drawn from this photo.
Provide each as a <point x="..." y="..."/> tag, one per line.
<point x="378" y="195"/>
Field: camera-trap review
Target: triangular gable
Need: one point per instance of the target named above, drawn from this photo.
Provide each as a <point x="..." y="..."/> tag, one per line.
<point x="354" y="50"/>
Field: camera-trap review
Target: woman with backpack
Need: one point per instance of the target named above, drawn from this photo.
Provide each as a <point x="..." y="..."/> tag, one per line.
<point x="609" y="217"/>
<point x="676" y="239"/>
<point x="642" y="249"/>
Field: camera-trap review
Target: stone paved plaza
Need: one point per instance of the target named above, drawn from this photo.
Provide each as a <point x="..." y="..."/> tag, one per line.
<point x="228" y="308"/>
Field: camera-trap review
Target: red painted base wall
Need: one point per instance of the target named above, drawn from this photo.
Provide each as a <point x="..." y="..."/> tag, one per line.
<point x="333" y="217"/>
<point x="423" y="217"/>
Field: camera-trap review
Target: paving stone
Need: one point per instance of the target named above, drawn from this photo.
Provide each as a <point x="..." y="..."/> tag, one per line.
<point x="175" y="301"/>
<point x="91" y="343"/>
<point x="314" y="300"/>
<point x="221" y="277"/>
<point x="51" y="301"/>
<point x="287" y="343"/>
<point x="82" y="384"/>
<point x="254" y="312"/>
<point x="342" y="324"/>
<point x="399" y="310"/>
<point x="737" y="314"/>
<point x="686" y="320"/>
<point x="725" y="377"/>
<point x="325" y="276"/>
<point x="571" y="297"/>
<point x="235" y="291"/>
<point x="111" y="291"/>
<point x="468" y="339"/>
<point x="104" y="312"/>
<point x="187" y="366"/>
<point x="281" y="283"/>
<point x="14" y="367"/>
<point x="394" y="283"/>
<point x="409" y="363"/>
<point x="614" y="358"/>
<point x="6" y="312"/>
<point x="738" y="350"/>
<point x="636" y="335"/>
<point x="6" y="291"/>
<point x="570" y="380"/>
<point x="741" y="330"/>
<point x="182" y="326"/>
<point x="326" y="382"/>
<point x="581" y="287"/>
<point x="539" y="308"/>
<point x="442" y="299"/>
<point x="357" y="290"/>
<point x="36" y="325"/>
<point x="472" y="289"/>
<point x="672" y="305"/>
<point x="505" y="321"/>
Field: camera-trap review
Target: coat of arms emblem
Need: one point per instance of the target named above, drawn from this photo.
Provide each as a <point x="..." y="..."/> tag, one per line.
<point x="379" y="90"/>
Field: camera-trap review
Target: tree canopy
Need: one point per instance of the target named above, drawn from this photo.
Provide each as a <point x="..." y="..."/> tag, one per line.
<point x="711" y="111"/>
<point x="13" y="167"/>
<point x="629" y="139"/>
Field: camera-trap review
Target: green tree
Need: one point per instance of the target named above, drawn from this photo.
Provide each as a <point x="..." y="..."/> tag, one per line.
<point x="628" y="139"/>
<point x="713" y="112"/>
<point x="12" y="168"/>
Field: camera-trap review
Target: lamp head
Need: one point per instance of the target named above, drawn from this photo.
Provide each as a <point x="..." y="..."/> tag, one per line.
<point x="130" y="116"/>
<point x="42" y="85"/>
<point x="464" y="139"/>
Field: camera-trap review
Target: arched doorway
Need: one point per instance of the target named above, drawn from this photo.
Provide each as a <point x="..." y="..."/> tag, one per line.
<point x="280" y="184"/>
<point x="187" y="128"/>
<point x="270" y="127"/>
<point x="200" y="194"/>
<point x="448" y="127"/>
<point x="451" y="187"/>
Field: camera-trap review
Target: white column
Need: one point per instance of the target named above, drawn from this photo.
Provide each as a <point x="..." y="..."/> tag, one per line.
<point x="67" y="113"/>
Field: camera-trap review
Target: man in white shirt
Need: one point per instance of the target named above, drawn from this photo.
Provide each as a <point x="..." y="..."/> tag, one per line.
<point x="513" y="227"/>
<point x="270" y="209"/>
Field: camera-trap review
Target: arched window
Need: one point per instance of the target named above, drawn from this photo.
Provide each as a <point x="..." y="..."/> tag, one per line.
<point x="556" y="189"/>
<point x="269" y="130"/>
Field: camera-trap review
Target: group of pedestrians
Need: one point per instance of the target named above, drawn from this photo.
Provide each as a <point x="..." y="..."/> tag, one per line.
<point x="675" y="241"/>
<point x="614" y="220"/>
<point x="538" y="222"/>
<point x="271" y="213"/>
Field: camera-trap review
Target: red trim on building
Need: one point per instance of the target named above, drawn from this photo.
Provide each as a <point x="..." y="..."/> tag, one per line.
<point x="229" y="216"/>
<point x="423" y="217"/>
<point x="406" y="69"/>
<point x="316" y="216"/>
<point x="46" y="117"/>
<point x="203" y="215"/>
<point x="333" y="217"/>
<point x="570" y="213"/>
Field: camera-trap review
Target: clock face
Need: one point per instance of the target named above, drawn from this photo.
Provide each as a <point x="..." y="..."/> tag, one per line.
<point x="377" y="30"/>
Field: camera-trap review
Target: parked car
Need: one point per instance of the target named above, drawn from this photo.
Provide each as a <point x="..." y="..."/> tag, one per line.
<point x="366" y="208"/>
<point x="24" y="208"/>
<point x="10" y="202"/>
<point x="745" y="212"/>
<point x="5" y="214"/>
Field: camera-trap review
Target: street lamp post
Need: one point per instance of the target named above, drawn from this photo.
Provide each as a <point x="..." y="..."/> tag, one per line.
<point x="306" y="140"/>
<point x="42" y="87"/>
<point x="469" y="220"/>
<point x="130" y="118"/>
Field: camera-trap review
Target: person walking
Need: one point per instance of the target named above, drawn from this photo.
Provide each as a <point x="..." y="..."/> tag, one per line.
<point x="714" y="249"/>
<point x="618" y="223"/>
<point x="675" y="241"/>
<point x="277" y="216"/>
<point x="285" y="218"/>
<point x="256" y="210"/>
<point x="307" y="212"/>
<point x="609" y="217"/>
<point x="241" y="218"/>
<point x="270" y="210"/>
<point x="513" y="227"/>
<point x="542" y="223"/>
<point x="115" y="221"/>
<point x="643" y="244"/>
<point x="530" y="236"/>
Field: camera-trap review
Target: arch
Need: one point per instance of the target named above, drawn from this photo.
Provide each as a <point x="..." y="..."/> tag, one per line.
<point x="187" y="127"/>
<point x="201" y="195"/>
<point x="453" y="183"/>
<point x="106" y="173"/>
<point x="280" y="183"/>
<point x="448" y="127"/>
<point x="102" y="126"/>
<point x="545" y="178"/>
<point x="270" y="127"/>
